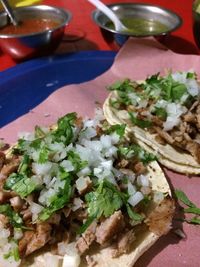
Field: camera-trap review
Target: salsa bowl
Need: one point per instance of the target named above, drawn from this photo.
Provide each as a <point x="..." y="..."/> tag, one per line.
<point x="143" y="20"/>
<point x="39" y="32"/>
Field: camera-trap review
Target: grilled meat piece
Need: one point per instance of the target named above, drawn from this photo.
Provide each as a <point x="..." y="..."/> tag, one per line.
<point x="111" y="226"/>
<point x="159" y="220"/>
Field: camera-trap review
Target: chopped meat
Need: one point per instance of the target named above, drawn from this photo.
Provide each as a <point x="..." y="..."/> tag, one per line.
<point x="164" y="135"/>
<point x="123" y="163"/>
<point x="17" y="203"/>
<point x="86" y="239"/>
<point x="198" y="121"/>
<point x="194" y="149"/>
<point x="4" y="196"/>
<point x="90" y="261"/>
<point x="157" y="121"/>
<point x="3" y="221"/>
<point x="54" y="219"/>
<point x="123" y="244"/>
<point x="2" y="159"/>
<point x="139" y="168"/>
<point x="27" y="215"/>
<point x="111" y="226"/>
<point x="34" y="240"/>
<point x="159" y="220"/>
<point x="10" y="167"/>
<point x="189" y="117"/>
<point x="66" y="211"/>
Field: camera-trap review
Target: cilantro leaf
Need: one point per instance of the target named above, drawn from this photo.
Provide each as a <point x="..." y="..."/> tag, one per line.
<point x="14" y="217"/>
<point x="135" y="151"/>
<point x="21" y="184"/>
<point x="183" y="198"/>
<point x="192" y="208"/>
<point x="24" y="167"/>
<point x="139" y="122"/>
<point x="58" y="201"/>
<point x="104" y="201"/>
<point x="76" y="161"/>
<point x="118" y="128"/>
<point x="64" y="131"/>
<point x="133" y="215"/>
<point x="13" y="253"/>
<point x="161" y="113"/>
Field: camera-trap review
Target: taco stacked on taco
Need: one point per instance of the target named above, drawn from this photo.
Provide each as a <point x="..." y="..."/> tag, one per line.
<point x="163" y="113"/>
<point x="79" y="194"/>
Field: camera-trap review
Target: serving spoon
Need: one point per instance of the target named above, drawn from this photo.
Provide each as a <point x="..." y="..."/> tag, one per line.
<point x="10" y="12"/>
<point x="119" y="26"/>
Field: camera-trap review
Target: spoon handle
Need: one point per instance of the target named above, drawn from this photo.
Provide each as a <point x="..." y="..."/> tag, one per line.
<point x="109" y="13"/>
<point x="9" y="11"/>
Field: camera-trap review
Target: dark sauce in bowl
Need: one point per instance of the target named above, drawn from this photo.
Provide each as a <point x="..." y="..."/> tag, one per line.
<point x="141" y="26"/>
<point x="28" y="26"/>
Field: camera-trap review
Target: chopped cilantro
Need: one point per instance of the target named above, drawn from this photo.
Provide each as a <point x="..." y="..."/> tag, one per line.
<point x="76" y="161"/>
<point x="135" y="151"/>
<point x="191" y="207"/>
<point x="21" y="184"/>
<point x="139" y="122"/>
<point x="24" y="167"/>
<point x="133" y="215"/>
<point x="118" y="128"/>
<point x="64" y="131"/>
<point x="14" y="217"/>
<point x="104" y="201"/>
<point x="58" y="201"/>
<point x="13" y="253"/>
<point x="161" y="113"/>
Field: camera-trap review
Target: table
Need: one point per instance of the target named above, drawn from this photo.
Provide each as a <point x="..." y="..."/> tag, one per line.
<point x="89" y="36"/>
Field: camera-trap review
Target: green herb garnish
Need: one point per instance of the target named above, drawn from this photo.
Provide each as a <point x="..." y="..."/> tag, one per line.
<point x="191" y="207"/>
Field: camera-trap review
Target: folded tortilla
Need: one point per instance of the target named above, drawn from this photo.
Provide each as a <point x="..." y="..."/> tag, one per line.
<point x="144" y="237"/>
<point x="167" y="155"/>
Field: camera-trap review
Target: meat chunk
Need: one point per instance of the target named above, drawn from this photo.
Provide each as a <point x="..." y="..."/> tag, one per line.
<point x="2" y="159"/>
<point x="110" y="227"/>
<point x="17" y="203"/>
<point x="123" y="244"/>
<point x="34" y="240"/>
<point x="3" y="221"/>
<point x="159" y="220"/>
<point x="4" y="196"/>
<point x="86" y="239"/>
<point x="10" y="167"/>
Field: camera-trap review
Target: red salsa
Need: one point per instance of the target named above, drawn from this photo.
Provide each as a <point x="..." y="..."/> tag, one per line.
<point x="32" y="25"/>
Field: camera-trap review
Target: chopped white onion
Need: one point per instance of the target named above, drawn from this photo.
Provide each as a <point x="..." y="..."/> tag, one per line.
<point x="135" y="199"/>
<point x="142" y="180"/>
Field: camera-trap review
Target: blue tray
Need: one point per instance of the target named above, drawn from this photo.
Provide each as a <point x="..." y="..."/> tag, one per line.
<point x="27" y="84"/>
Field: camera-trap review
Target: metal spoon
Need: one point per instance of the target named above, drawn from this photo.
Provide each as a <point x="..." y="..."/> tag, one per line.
<point x="109" y="13"/>
<point x="10" y="12"/>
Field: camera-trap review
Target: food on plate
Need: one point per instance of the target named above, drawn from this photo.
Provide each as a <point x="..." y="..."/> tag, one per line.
<point x="163" y="113"/>
<point x="79" y="194"/>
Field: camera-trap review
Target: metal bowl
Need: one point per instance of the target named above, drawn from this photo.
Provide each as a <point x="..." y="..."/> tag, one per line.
<point x="136" y="10"/>
<point x="23" y="46"/>
<point x="196" y="22"/>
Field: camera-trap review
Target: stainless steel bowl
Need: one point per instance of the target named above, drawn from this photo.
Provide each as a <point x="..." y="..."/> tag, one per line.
<point x="23" y="46"/>
<point x="196" y="22"/>
<point x="136" y="10"/>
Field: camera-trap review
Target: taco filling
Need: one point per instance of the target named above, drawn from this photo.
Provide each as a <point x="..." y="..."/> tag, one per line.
<point x="75" y="189"/>
<point x="166" y="107"/>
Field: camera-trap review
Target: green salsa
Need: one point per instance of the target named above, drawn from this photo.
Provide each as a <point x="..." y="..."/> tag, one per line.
<point x="141" y="26"/>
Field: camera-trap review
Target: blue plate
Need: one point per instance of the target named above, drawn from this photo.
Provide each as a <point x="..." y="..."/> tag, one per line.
<point x="27" y="84"/>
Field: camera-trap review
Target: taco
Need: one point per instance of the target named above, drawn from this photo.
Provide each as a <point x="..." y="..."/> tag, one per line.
<point x="163" y="113"/>
<point x="79" y="194"/>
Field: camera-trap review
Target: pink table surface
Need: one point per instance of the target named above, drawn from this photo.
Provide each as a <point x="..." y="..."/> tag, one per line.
<point x="136" y="60"/>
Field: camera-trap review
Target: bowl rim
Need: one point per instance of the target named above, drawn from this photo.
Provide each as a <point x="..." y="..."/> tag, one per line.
<point x="95" y="12"/>
<point x="66" y="21"/>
